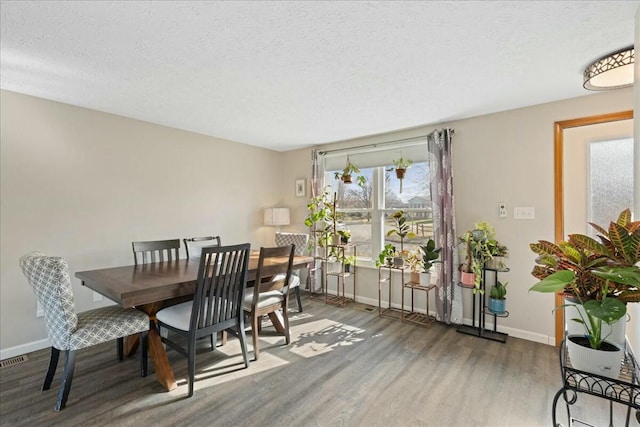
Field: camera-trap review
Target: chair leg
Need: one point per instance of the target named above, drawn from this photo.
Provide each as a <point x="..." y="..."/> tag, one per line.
<point x="191" y="356"/>
<point x="53" y="364"/>
<point x="243" y="344"/>
<point x="213" y="338"/>
<point x="144" y="360"/>
<point x="67" y="377"/>
<point x="120" y="349"/>
<point x="287" y="336"/>
<point x="255" y="320"/>
<point x="298" y="300"/>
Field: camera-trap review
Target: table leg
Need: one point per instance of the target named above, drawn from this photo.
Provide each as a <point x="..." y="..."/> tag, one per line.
<point x="164" y="373"/>
<point x="131" y="345"/>
<point x="277" y="321"/>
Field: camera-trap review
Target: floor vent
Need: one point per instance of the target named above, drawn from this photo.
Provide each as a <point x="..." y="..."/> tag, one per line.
<point x="13" y="361"/>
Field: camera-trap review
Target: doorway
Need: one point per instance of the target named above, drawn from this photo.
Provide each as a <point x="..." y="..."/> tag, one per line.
<point x="574" y="146"/>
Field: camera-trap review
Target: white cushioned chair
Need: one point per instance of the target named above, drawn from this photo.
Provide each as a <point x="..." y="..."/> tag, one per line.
<point x="69" y="331"/>
<point x="301" y="242"/>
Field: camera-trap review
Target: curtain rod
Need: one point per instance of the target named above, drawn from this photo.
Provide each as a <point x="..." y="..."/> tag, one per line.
<point x="380" y="145"/>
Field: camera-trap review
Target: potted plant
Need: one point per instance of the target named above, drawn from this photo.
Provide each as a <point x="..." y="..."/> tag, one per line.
<point x="320" y="217"/>
<point x="385" y="257"/>
<point x="430" y="255"/>
<point x="497" y="297"/>
<point x="348" y="261"/>
<point x="480" y="247"/>
<point x="403" y="230"/>
<point x="599" y="278"/>
<point x="414" y="261"/>
<point x="347" y="173"/>
<point x="345" y="236"/>
<point x="401" y="166"/>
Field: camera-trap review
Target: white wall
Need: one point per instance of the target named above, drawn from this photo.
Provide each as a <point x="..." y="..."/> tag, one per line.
<point x="83" y="185"/>
<point x="504" y="157"/>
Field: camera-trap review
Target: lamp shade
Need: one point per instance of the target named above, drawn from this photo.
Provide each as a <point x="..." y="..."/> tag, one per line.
<point x="612" y="71"/>
<point x="276" y="216"/>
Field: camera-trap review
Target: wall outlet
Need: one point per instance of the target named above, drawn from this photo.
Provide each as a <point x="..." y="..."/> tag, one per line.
<point x="502" y="210"/>
<point x="97" y="297"/>
<point x="524" y="213"/>
<point x="39" y="309"/>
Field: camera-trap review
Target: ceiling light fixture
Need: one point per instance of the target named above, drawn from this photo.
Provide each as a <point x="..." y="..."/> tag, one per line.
<point x="612" y="71"/>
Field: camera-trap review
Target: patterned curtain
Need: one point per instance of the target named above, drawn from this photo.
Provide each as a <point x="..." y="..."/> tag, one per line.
<point x="448" y="298"/>
<point x="314" y="282"/>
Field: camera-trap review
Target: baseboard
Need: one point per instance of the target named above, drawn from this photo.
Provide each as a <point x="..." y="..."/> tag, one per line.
<point x="24" y="349"/>
<point x="517" y="333"/>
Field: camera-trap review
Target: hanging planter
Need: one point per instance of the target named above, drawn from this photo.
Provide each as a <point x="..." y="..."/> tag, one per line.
<point x="346" y="175"/>
<point x="401" y="165"/>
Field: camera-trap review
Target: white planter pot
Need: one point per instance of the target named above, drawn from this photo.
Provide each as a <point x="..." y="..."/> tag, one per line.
<point x="614" y="333"/>
<point x="425" y="279"/>
<point x="600" y="362"/>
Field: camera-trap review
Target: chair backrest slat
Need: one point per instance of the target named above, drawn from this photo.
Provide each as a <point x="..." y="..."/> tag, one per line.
<point x="156" y="251"/>
<point x="222" y="280"/>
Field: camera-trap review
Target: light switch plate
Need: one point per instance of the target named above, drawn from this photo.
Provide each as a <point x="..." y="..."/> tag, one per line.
<point x="524" y="212"/>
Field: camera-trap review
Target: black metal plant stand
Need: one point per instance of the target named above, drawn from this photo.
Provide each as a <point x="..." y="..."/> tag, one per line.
<point x="625" y="389"/>
<point x="480" y="311"/>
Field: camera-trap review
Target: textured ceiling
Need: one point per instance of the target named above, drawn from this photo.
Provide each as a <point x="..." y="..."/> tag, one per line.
<point x="290" y="74"/>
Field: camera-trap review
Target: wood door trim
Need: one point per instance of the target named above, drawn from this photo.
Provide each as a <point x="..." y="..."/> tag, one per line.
<point x="559" y="128"/>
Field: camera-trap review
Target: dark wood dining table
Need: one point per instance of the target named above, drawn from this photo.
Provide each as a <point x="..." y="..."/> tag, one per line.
<point x="150" y="287"/>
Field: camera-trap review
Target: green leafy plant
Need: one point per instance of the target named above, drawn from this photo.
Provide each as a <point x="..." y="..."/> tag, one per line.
<point x="402" y="163"/>
<point x="346" y="175"/>
<point x="481" y="246"/>
<point x="499" y="290"/>
<point x="402" y="229"/>
<point x="430" y="255"/>
<point x="321" y="217"/>
<point x="603" y="276"/>
<point x="345" y="235"/>
<point x="387" y="253"/>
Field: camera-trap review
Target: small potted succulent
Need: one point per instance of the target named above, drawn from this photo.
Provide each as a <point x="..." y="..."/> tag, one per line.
<point x="497" y="297"/>
<point x="345" y="236"/>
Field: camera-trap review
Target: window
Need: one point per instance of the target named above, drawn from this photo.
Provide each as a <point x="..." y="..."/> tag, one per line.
<point x="366" y="210"/>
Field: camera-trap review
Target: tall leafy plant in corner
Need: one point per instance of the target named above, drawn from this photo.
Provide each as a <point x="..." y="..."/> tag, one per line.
<point x="602" y="276"/>
<point x="320" y="217"/>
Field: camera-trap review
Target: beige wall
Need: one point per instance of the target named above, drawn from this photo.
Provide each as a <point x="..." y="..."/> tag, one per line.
<point x="504" y="157"/>
<point x="83" y="184"/>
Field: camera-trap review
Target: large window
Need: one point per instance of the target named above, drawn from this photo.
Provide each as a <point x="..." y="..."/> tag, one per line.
<point x="366" y="210"/>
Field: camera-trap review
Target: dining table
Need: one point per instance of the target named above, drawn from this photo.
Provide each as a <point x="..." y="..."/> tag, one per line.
<point x="151" y="287"/>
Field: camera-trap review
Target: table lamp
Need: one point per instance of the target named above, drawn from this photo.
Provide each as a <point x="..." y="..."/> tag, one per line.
<point x="276" y="217"/>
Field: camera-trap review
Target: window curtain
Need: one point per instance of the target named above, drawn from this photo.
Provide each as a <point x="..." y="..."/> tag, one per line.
<point x="448" y="298"/>
<point x="314" y="281"/>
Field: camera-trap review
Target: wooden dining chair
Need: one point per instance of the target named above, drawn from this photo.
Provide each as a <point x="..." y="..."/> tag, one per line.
<point x="193" y="245"/>
<point x="216" y="306"/>
<point x="156" y="251"/>
<point x="270" y="292"/>
<point x="69" y="331"/>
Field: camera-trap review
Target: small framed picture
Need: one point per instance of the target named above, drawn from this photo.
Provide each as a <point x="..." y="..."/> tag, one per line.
<point x="301" y="187"/>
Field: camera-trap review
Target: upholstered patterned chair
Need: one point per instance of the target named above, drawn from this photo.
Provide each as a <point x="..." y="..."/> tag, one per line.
<point x="301" y="241"/>
<point x="70" y="331"/>
<point x="193" y="245"/>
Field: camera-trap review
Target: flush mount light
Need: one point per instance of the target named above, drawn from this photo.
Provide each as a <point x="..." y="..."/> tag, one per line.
<point x="612" y="71"/>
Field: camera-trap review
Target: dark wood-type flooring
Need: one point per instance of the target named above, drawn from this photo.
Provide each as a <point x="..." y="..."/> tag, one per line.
<point x="345" y="367"/>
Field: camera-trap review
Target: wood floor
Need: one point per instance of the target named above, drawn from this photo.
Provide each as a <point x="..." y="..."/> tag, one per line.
<point x="344" y="367"/>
